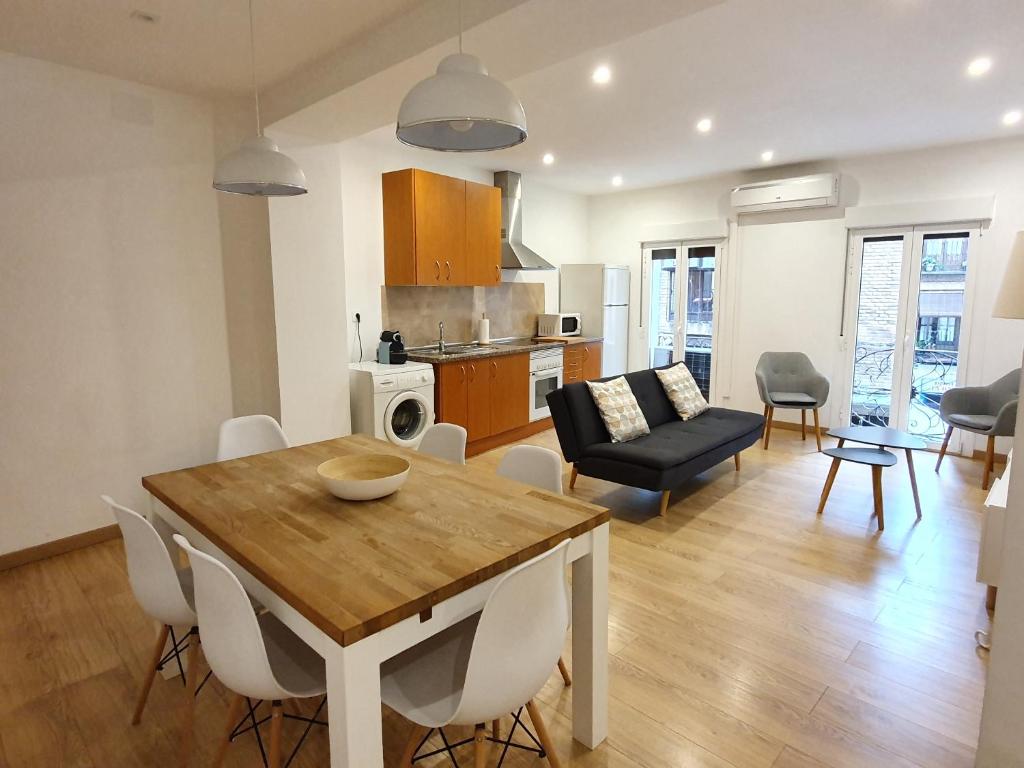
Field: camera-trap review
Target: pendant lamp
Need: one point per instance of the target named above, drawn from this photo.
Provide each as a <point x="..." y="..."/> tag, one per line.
<point x="258" y="167"/>
<point x="461" y="108"/>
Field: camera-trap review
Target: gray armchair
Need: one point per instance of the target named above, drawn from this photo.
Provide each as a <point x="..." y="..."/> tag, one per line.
<point x="789" y="380"/>
<point x="989" y="411"/>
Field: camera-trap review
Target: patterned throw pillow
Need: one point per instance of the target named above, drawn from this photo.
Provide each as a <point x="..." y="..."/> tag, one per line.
<point x="619" y="409"/>
<point x="682" y="390"/>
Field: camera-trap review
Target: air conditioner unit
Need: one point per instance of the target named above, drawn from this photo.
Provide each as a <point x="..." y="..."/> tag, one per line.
<point x="818" y="191"/>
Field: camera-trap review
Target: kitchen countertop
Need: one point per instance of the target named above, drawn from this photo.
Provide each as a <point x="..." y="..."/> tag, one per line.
<point x="476" y="351"/>
<point x="567" y="340"/>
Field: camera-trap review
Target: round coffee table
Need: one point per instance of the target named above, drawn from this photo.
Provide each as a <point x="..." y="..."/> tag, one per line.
<point x="877" y="458"/>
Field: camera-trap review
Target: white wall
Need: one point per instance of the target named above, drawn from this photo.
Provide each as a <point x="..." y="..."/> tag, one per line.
<point x="113" y="342"/>
<point x="788" y="267"/>
<point x="554" y="225"/>
<point x="310" y="300"/>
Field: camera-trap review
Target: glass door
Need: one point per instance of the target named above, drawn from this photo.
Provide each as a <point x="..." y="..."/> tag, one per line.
<point x="910" y="325"/>
<point x="680" y="294"/>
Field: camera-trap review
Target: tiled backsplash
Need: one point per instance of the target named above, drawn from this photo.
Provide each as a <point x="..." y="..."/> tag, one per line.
<point x="416" y="311"/>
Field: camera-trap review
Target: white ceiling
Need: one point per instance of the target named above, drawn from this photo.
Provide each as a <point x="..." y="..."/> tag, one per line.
<point x="197" y="46"/>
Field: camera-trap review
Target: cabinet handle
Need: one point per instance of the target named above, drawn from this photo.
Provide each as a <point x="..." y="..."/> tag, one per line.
<point x="448" y="266"/>
<point x="497" y="272"/>
<point x="494" y="369"/>
<point x="472" y="373"/>
<point x="437" y="270"/>
<point x="462" y="368"/>
<point x="586" y="354"/>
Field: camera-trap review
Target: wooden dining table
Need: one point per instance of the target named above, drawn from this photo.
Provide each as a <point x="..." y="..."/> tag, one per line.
<point x="361" y="581"/>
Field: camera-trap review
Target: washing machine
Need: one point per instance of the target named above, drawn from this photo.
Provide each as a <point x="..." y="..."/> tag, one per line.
<point x="392" y="402"/>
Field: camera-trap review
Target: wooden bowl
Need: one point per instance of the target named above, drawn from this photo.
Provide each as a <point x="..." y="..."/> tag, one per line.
<point x="361" y="478"/>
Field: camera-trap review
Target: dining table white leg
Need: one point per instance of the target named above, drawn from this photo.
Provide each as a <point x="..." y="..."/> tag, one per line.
<point x="354" y="706"/>
<point x="590" y="642"/>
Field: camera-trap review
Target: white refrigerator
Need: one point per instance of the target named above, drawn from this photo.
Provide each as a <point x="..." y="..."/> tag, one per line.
<point x="600" y="293"/>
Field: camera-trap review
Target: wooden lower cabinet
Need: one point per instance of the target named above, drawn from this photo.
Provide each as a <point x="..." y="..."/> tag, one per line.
<point x="581" y="362"/>
<point x="487" y="396"/>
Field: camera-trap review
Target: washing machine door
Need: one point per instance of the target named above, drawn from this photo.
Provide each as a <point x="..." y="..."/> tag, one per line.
<point x="406" y="418"/>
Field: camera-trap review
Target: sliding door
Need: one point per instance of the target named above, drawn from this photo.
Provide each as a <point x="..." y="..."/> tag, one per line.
<point x="910" y="291"/>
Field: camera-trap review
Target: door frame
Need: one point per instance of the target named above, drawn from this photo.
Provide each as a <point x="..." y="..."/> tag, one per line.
<point x="910" y="284"/>
<point x="681" y="248"/>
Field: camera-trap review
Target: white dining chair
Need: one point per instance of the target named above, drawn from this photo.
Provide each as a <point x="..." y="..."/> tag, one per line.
<point x="165" y="594"/>
<point x="445" y="441"/>
<point x="541" y="467"/>
<point x="249" y="435"/>
<point x="462" y="676"/>
<point x="254" y="656"/>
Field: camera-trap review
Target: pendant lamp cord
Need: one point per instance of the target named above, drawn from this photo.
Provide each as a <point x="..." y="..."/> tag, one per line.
<point x="460" y="26"/>
<point x="252" y="55"/>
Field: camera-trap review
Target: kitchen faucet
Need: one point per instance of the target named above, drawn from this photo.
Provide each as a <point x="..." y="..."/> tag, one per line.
<point x="440" y="338"/>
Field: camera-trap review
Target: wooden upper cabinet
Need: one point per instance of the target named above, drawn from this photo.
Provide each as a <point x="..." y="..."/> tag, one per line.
<point x="483" y="234"/>
<point x="439" y="230"/>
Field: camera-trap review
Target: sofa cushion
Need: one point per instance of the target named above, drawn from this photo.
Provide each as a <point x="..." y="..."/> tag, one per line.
<point x="619" y="410"/>
<point x="683" y="391"/>
<point x="679" y="441"/>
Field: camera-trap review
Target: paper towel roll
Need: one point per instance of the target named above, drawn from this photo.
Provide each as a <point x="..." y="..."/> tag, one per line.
<point x="483" y="330"/>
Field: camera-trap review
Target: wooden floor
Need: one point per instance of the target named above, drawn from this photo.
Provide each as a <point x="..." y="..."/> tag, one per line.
<point x="744" y="631"/>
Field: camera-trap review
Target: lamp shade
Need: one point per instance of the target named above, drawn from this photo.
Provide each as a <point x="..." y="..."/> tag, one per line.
<point x="258" y="167"/>
<point x="1010" y="301"/>
<point x="461" y="109"/>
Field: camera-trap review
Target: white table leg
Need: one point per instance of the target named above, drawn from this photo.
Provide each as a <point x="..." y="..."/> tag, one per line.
<point x="590" y="642"/>
<point x="353" y="705"/>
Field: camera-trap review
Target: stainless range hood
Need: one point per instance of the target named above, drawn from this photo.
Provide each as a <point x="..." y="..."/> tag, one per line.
<point x="514" y="255"/>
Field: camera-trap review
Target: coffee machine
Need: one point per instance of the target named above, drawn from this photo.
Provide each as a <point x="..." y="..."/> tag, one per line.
<point x="391" y="349"/>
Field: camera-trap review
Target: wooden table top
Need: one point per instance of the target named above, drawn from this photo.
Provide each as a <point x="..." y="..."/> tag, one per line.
<point x="353" y="568"/>
<point x="885" y="437"/>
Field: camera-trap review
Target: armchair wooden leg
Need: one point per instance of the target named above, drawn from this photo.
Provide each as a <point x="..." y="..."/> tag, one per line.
<point x="572" y="478"/>
<point x="192" y="679"/>
<point x="418" y="732"/>
<point x="276" y="720"/>
<point x="945" y="445"/>
<point x="480" y="746"/>
<point x="817" y="430"/>
<point x="542" y="734"/>
<point x="147" y="683"/>
<point x="828" y="484"/>
<point x="990" y="453"/>
<point x="564" y="670"/>
<point x="664" y="503"/>
<point x="803" y="423"/>
<point x="768" y="425"/>
<point x="234" y="710"/>
<point x="495" y="729"/>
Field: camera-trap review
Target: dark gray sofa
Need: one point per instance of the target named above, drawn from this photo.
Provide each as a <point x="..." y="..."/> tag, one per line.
<point x="671" y="454"/>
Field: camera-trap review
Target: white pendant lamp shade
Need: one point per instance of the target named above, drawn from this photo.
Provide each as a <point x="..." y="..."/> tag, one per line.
<point x="461" y="109"/>
<point x="258" y="167"/>
<point x="1010" y="300"/>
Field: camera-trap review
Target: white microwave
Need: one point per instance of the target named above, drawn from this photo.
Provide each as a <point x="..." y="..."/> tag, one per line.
<point x="564" y="324"/>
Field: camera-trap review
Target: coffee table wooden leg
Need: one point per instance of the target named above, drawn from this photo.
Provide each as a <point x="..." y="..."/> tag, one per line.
<point x="876" y="483"/>
<point x="945" y="445"/>
<point x="913" y="481"/>
<point x="828" y="484"/>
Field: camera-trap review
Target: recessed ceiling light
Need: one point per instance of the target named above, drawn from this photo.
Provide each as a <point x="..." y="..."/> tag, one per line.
<point x="979" y="66"/>
<point x="1012" y="117"/>
<point x="616" y="181"/>
<point x="704" y="124"/>
<point x="548" y="158"/>
<point x="144" y="16"/>
<point x="767" y="155"/>
<point x="602" y="75"/>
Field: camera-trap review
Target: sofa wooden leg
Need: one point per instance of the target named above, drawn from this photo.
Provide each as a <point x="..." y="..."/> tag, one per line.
<point x="990" y="453"/>
<point x="817" y="430"/>
<point x="736" y="458"/>
<point x="664" y="503"/>
<point x="768" y="426"/>
<point x="945" y="445"/>
<point x="572" y="478"/>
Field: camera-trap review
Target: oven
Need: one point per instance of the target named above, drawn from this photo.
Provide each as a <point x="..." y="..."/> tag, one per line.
<point x="545" y="377"/>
